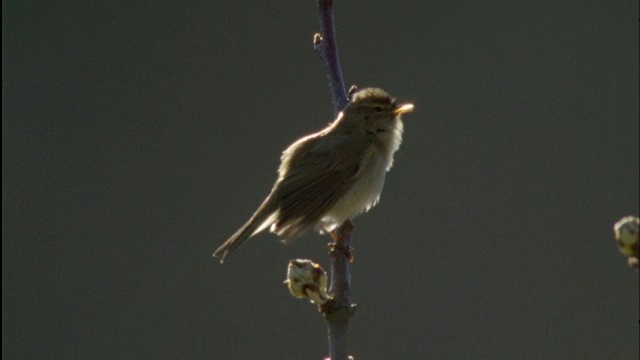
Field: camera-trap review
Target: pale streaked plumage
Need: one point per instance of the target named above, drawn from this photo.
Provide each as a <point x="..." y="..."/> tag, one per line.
<point x="333" y="175"/>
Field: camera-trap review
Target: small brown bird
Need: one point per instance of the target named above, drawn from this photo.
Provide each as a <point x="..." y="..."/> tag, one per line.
<point x="330" y="176"/>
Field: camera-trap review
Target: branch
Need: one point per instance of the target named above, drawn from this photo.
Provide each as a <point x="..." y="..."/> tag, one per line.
<point x="324" y="43"/>
<point x="339" y="309"/>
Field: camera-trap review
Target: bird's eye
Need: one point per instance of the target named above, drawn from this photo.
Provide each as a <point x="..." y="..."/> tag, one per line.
<point x="378" y="108"/>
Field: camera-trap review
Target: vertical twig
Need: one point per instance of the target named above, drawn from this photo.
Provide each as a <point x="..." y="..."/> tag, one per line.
<point x="326" y="47"/>
<point x="339" y="309"/>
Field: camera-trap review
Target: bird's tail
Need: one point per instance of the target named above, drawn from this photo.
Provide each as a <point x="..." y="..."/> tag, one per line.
<point x="266" y="215"/>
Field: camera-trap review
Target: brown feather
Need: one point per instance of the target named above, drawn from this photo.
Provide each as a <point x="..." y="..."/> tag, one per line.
<point x="312" y="184"/>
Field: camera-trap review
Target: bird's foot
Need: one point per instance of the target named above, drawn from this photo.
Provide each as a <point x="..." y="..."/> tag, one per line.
<point x="341" y="237"/>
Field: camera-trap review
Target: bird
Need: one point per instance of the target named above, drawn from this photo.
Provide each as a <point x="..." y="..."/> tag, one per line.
<point x="330" y="176"/>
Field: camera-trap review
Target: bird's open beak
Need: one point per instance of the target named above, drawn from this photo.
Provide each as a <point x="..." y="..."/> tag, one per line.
<point x="404" y="108"/>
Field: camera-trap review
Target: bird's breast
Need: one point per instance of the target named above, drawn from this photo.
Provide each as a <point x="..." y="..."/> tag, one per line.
<point x="363" y="193"/>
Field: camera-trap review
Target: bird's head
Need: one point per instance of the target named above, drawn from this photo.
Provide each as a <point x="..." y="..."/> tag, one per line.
<point x="372" y="112"/>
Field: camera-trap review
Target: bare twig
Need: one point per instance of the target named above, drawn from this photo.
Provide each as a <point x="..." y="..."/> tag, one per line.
<point x="326" y="47"/>
<point x="339" y="309"/>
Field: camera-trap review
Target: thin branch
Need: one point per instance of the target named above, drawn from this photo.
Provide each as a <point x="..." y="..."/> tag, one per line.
<point x="339" y="309"/>
<point x="326" y="47"/>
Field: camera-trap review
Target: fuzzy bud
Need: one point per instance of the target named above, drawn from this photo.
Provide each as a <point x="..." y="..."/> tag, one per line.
<point x="627" y="235"/>
<point x="306" y="279"/>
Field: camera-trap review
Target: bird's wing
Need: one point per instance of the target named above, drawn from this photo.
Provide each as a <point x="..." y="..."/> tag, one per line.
<point x="315" y="174"/>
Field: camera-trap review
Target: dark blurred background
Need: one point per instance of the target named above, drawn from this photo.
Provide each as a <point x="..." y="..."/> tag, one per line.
<point x="137" y="136"/>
